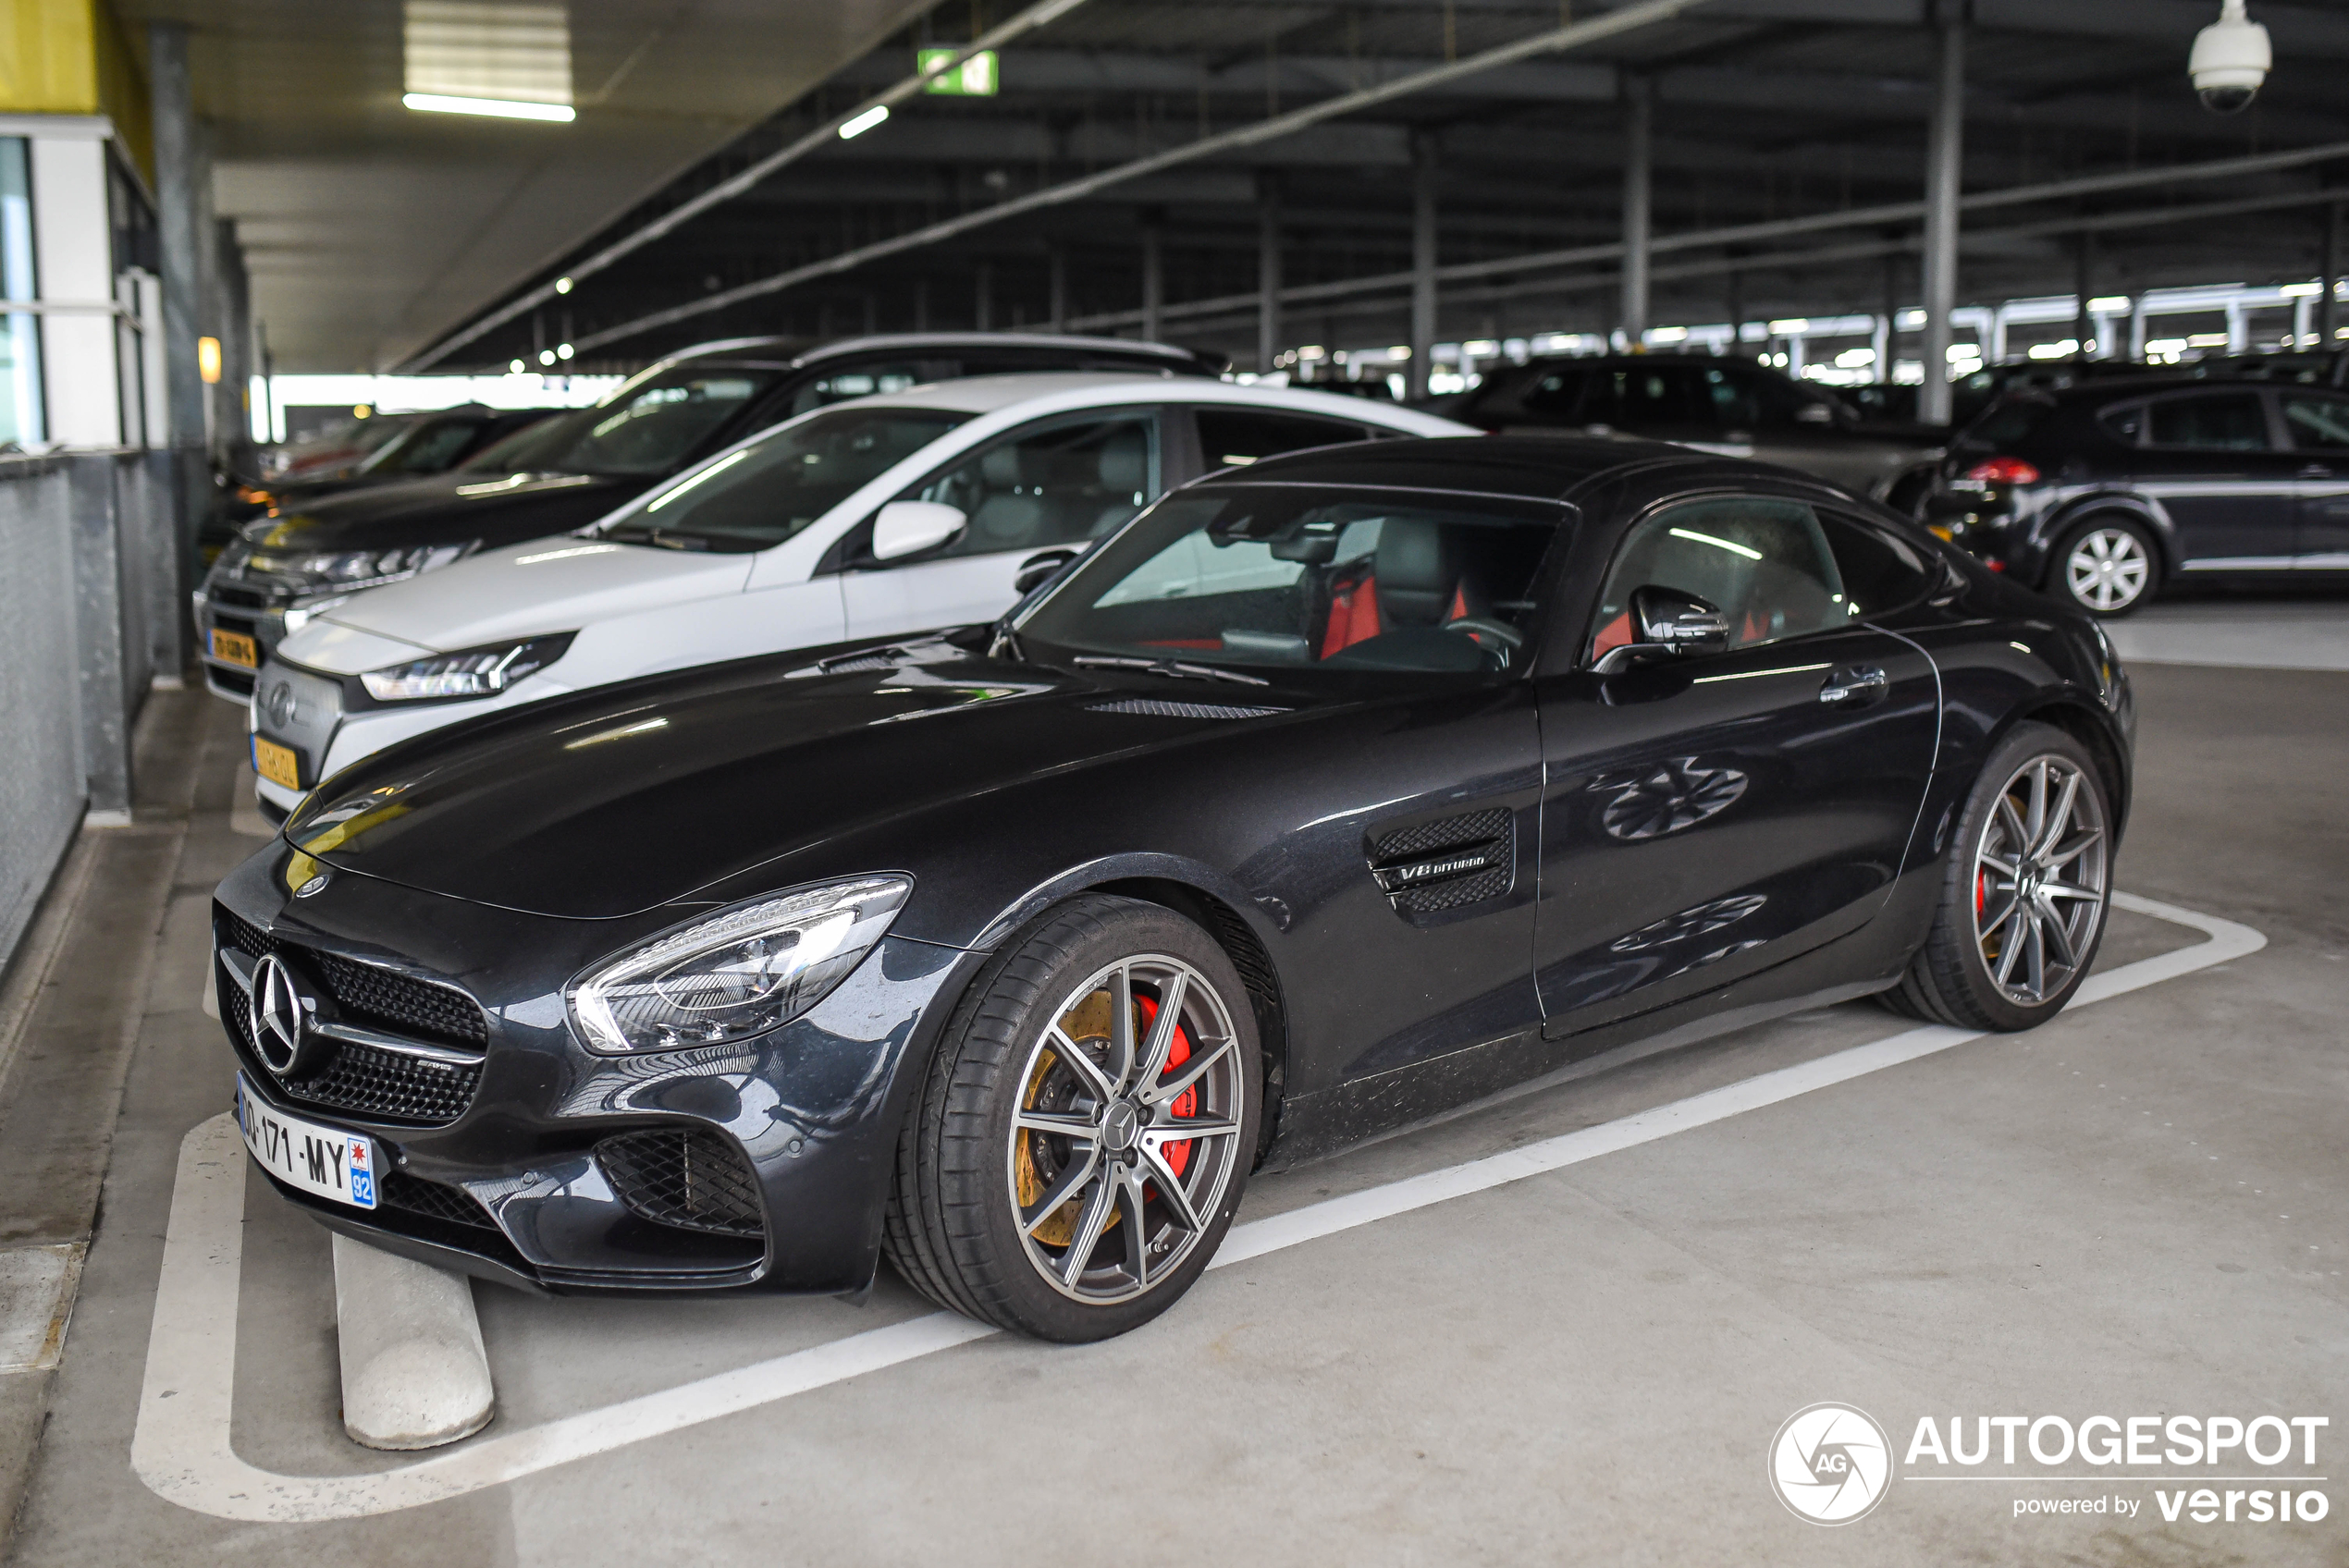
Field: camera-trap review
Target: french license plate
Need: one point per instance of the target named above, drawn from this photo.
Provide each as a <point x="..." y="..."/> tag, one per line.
<point x="325" y="1160"/>
<point x="235" y="647"/>
<point x="277" y="764"/>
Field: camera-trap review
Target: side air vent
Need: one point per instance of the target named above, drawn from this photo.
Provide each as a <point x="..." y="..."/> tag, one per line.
<point x="1154" y="707"/>
<point x="1448" y="863"/>
<point x="689" y="1177"/>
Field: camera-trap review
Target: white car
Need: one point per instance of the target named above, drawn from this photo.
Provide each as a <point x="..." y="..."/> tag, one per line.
<point x="905" y="512"/>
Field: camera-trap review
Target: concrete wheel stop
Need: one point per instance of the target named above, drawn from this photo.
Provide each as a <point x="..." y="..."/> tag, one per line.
<point x="415" y="1373"/>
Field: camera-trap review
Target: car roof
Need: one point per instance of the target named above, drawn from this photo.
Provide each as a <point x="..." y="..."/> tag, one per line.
<point x="804" y="352"/>
<point x="2122" y="389"/>
<point x="1542" y="468"/>
<point x="1083" y="388"/>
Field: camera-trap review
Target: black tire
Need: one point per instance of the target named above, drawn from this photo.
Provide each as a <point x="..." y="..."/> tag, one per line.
<point x="953" y="1228"/>
<point x="1951" y="979"/>
<point x="2109" y="566"/>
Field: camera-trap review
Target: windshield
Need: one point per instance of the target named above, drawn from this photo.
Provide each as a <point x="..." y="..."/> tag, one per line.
<point x="643" y="432"/>
<point x="1255" y="576"/>
<point x="764" y="493"/>
<point x="422" y="448"/>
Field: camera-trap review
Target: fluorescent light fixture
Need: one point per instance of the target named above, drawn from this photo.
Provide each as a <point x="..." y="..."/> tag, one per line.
<point x="1793" y="327"/>
<point x="516" y="367"/>
<point x="864" y="122"/>
<point x="563" y="351"/>
<point x="1694" y="537"/>
<point x="562" y="285"/>
<point x="2300" y="290"/>
<point x="496" y="108"/>
<point x="546" y="356"/>
<point x="2109" y="304"/>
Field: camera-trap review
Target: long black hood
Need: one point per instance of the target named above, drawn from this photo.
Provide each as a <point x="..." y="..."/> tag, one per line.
<point x="448" y="508"/>
<point x="612" y="801"/>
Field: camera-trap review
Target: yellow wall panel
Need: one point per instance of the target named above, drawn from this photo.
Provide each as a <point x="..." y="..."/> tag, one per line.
<point x="49" y="57"/>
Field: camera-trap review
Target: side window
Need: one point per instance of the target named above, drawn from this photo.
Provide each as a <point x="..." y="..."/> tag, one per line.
<point x="2215" y="422"/>
<point x="1230" y="437"/>
<point x="2316" y="423"/>
<point x="1742" y="399"/>
<point x="863" y="381"/>
<point x="2125" y="425"/>
<point x="1643" y="397"/>
<point x="1553" y="396"/>
<point x="1880" y="571"/>
<point x="1062" y="483"/>
<point x="1763" y="562"/>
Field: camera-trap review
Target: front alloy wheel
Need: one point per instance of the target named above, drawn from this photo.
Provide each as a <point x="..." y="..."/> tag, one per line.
<point x="1084" y="1130"/>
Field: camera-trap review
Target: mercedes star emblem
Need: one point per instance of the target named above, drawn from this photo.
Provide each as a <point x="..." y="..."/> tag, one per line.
<point x="279" y="1023"/>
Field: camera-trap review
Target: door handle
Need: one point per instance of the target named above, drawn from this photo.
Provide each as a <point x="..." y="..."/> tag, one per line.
<point x="1860" y="680"/>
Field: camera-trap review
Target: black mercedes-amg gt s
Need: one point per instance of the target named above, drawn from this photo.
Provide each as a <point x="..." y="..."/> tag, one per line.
<point x="1328" y="796"/>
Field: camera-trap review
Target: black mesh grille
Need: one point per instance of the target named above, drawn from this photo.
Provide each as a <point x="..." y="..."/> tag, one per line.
<point x="690" y="1177"/>
<point x="237" y="681"/>
<point x="361" y="1079"/>
<point x="1475" y="827"/>
<point x="243" y="598"/>
<point x="236" y="623"/>
<point x="434" y="1200"/>
<point x="386" y="1084"/>
<point x="1152" y="707"/>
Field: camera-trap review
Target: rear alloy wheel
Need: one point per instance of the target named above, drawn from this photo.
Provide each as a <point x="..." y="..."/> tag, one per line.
<point x="1083" y="1138"/>
<point x="2025" y="891"/>
<point x="2107" y="567"/>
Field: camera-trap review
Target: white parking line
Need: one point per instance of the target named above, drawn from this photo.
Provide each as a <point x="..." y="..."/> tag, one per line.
<point x="181" y="1446"/>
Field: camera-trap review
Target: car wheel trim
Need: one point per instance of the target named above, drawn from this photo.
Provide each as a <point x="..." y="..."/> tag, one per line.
<point x="2108" y="569"/>
<point x="2040" y="881"/>
<point x="1125" y="1133"/>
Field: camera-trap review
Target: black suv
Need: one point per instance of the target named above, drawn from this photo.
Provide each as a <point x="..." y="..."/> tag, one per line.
<point x="567" y="471"/>
<point x="2098" y="494"/>
<point x="1714" y="404"/>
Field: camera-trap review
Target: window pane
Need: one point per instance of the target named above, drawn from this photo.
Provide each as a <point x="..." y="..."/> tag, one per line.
<point x="765" y="493"/>
<point x="1229" y="437"/>
<point x="1280" y="577"/>
<point x="1637" y="399"/>
<point x="2318" y="424"/>
<point x="1881" y="572"/>
<point x="20" y="405"/>
<point x="1745" y="399"/>
<point x="2233" y="422"/>
<point x="645" y="432"/>
<point x="1765" y="563"/>
<point x="1068" y="483"/>
<point x="866" y="380"/>
<point x="2124" y="425"/>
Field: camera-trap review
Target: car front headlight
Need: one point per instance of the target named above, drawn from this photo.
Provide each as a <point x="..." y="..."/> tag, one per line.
<point x="360" y="569"/>
<point x="469" y="672"/>
<point x="738" y="973"/>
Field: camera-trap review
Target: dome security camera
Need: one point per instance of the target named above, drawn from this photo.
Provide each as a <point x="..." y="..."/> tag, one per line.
<point x="2230" y="59"/>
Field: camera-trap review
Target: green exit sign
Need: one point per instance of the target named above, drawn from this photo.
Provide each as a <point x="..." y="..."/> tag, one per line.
<point x="975" y="77"/>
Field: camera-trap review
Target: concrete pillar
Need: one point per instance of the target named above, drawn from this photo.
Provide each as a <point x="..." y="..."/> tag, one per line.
<point x="1057" y="263"/>
<point x="1639" y="185"/>
<point x="1268" y="270"/>
<point x="1153" y="275"/>
<point x="175" y="137"/>
<point x="234" y="416"/>
<point x="1423" y="174"/>
<point x="983" y="305"/>
<point x="1944" y="165"/>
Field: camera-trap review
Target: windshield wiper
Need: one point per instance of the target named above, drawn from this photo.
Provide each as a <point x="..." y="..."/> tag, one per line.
<point x="1168" y="666"/>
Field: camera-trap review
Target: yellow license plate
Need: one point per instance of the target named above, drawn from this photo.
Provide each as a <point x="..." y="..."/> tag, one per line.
<point x="276" y="763"/>
<point x="236" y="648"/>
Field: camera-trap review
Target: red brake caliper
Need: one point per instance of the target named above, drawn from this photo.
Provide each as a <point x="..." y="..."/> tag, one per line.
<point x="1981" y="893"/>
<point x="1185" y="1104"/>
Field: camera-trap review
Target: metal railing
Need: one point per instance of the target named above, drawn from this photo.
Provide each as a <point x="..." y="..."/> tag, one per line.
<point x="92" y="585"/>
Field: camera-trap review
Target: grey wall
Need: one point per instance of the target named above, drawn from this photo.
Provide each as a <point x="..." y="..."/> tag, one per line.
<point x="91" y="585"/>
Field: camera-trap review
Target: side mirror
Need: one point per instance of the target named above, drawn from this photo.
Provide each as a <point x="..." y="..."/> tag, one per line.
<point x="907" y="528"/>
<point x="1680" y="624"/>
<point x="1670" y="624"/>
<point x="1036" y="570"/>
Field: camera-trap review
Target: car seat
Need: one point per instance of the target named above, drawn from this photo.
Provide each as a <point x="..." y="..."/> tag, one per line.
<point x="1124" y="468"/>
<point x="1006" y="518"/>
<point x="1414" y="577"/>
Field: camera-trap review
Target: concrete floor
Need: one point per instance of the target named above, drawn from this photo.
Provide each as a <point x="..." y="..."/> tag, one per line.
<point x="2136" y="1210"/>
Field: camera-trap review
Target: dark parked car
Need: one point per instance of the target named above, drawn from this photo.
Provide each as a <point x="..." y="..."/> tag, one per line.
<point x="1329" y="795"/>
<point x="422" y="444"/>
<point x="567" y="471"/>
<point x="1729" y="405"/>
<point x="2099" y="493"/>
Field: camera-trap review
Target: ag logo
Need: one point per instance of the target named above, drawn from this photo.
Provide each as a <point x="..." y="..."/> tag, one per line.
<point x="1830" y="1464"/>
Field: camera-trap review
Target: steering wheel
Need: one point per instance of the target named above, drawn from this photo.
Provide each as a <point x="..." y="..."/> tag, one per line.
<point x="1498" y="639"/>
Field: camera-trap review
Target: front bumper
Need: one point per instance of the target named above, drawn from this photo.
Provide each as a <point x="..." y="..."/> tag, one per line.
<point x="541" y="1164"/>
<point x="252" y="610"/>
